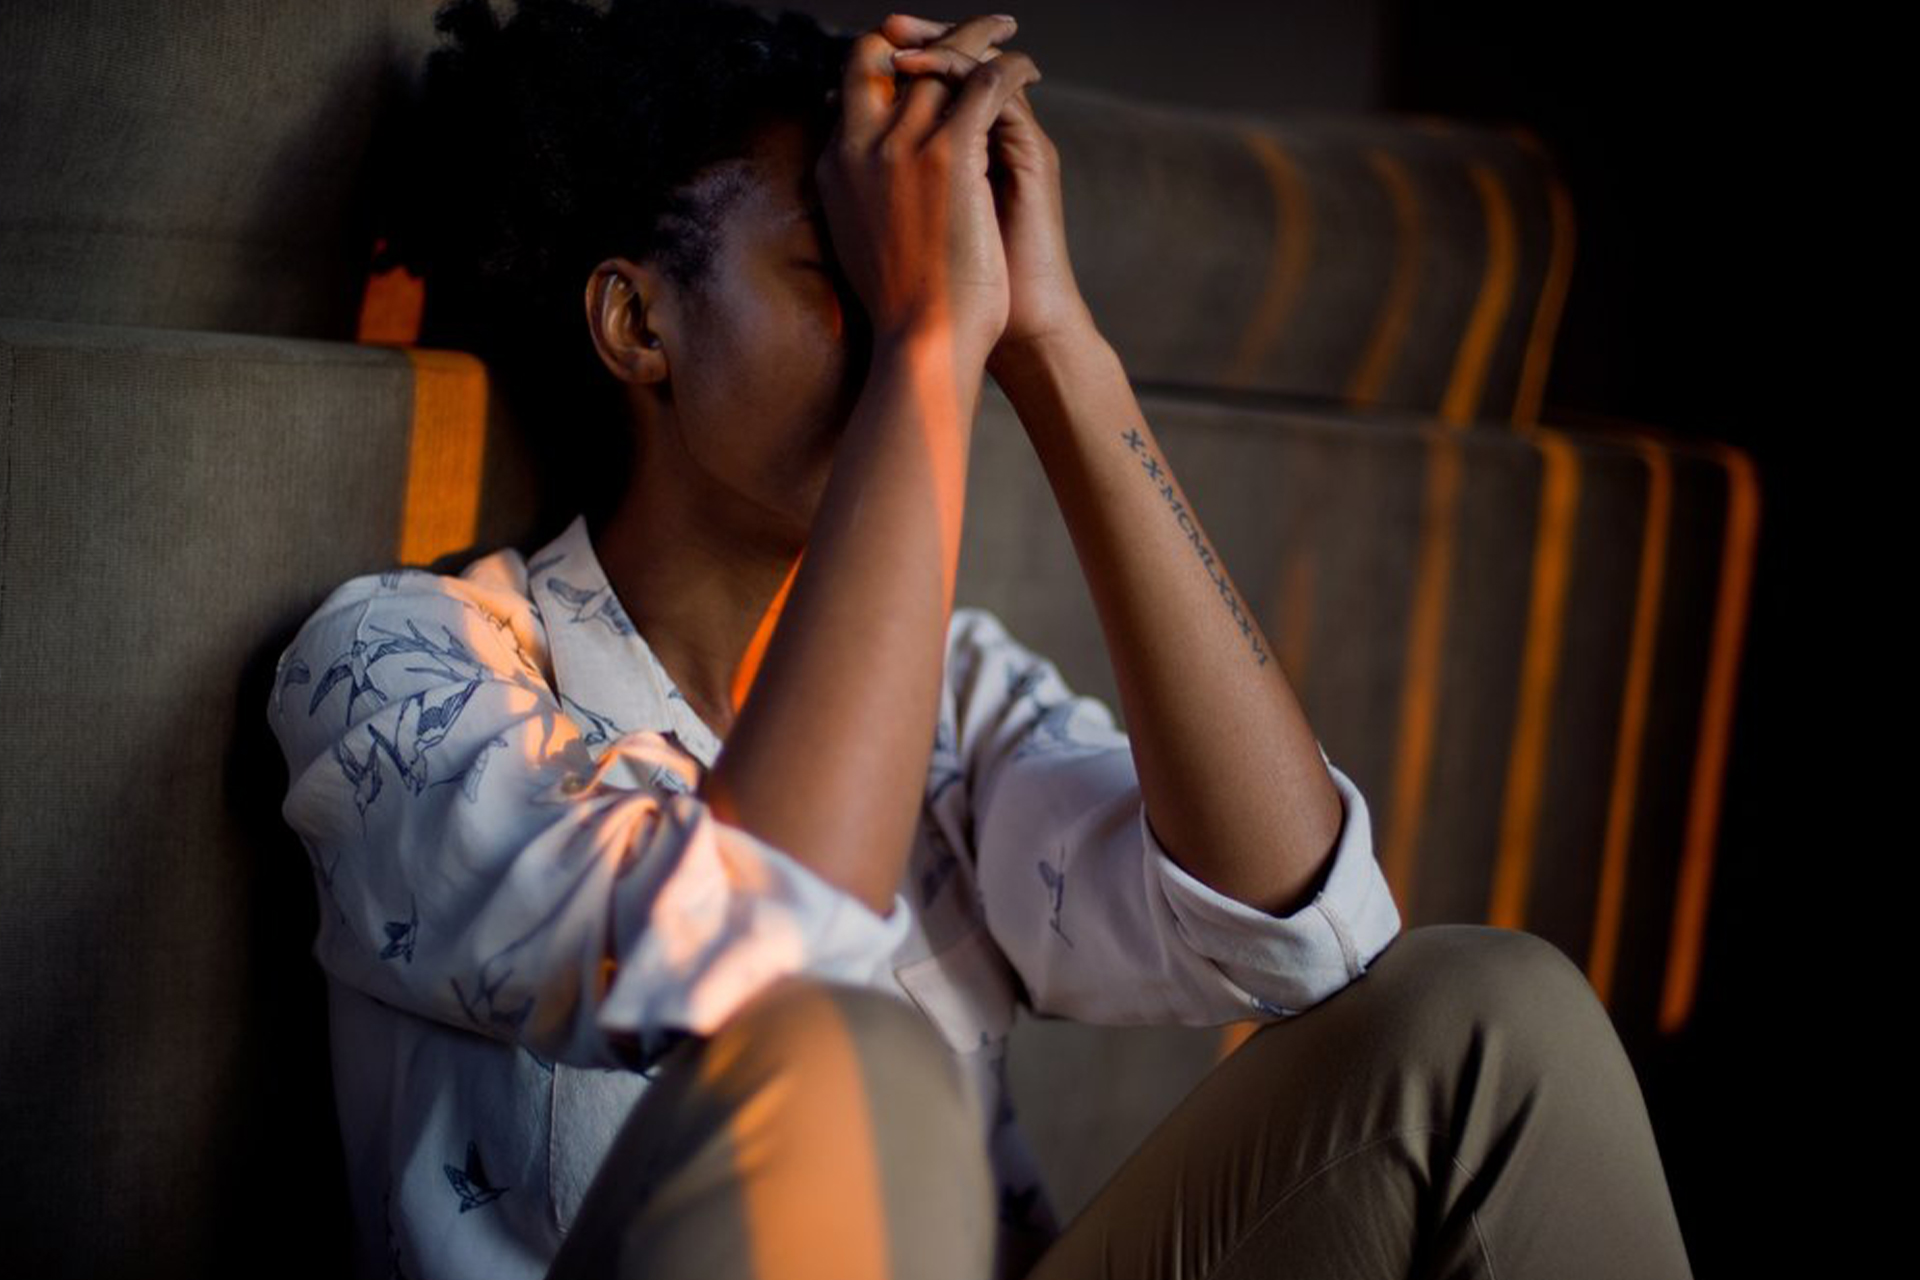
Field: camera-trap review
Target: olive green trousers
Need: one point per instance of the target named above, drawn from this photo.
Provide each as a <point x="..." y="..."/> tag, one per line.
<point x="1462" y="1109"/>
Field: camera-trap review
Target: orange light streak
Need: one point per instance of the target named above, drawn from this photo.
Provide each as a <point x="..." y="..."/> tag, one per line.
<point x="749" y="668"/>
<point x="1610" y="904"/>
<point x="1553" y="291"/>
<point x="1420" y="688"/>
<point x="1461" y="403"/>
<point x="1716" y="734"/>
<point x="390" y="308"/>
<point x="1403" y="283"/>
<point x="446" y="455"/>
<point x="1287" y="260"/>
<point x="1539" y="674"/>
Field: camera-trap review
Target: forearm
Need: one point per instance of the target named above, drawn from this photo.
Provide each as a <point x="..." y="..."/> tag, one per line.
<point x="1231" y="772"/>
<point x="828" y="758"/>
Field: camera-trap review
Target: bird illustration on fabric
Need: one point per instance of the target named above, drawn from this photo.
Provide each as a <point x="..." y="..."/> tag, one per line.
<point x="452" y="660"/>
<point x="392" y="578"/>
<point x="943" y="766"/>
<point x="483" y="1006"/>
<point x="595" y="727"/>
<point x="421" y="725"/>
<point x="424" y="721"/>
<point x="471" y="1182"/>
<point x="1024" y="680"/>
<point x="1056" y="882"/>
<point x="503" y="631"/>
<point x="362" y="775"/>
<point x="1052" y="732"/>
<point x="353" y="666"/>
<point x="945" y="862"/>
<point x="593" y="605"/>
<point x="469" y="778"/>
<point x="401" y="933"/>
<point x="297" y="672"/>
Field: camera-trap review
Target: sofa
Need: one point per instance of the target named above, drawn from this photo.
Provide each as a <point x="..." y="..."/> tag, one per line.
<point x="1520" y="639"/>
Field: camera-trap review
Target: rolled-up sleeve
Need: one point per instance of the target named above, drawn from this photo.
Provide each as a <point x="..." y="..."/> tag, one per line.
<point x="479" y="866"/>
<point x="1284" y="964"/>
<point x="1099" y="921"/>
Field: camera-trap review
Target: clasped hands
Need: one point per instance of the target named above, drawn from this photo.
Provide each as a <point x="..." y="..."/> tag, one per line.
<point x="943" y="192"/>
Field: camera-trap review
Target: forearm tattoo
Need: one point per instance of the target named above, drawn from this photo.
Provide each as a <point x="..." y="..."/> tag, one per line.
<point x="1162" y="479"/>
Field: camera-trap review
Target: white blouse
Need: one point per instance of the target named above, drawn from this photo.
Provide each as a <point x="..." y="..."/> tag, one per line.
<point x="524" y="904"/>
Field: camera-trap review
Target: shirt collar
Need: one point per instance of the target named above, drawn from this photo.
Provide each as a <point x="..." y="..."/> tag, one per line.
<point x="605" y="673"/>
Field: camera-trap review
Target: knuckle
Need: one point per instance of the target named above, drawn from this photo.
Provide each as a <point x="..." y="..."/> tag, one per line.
<point x="868" y="53"/>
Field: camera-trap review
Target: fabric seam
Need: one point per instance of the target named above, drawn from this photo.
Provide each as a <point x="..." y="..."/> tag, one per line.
<point x="1349" y="953"/>
<point x="1253" y="1228"/>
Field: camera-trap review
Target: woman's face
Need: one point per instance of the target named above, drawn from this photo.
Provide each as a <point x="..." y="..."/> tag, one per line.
<point x="771" y="350"/>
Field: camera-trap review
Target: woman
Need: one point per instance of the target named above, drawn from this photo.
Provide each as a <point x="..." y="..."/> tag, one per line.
<point x="607" y="998"/>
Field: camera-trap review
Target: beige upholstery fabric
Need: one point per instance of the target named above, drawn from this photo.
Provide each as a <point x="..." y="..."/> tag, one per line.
<point x="200" y="166"/>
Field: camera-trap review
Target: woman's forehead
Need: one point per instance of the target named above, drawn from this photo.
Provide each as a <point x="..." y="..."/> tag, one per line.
<point x="767" y="193"/>
<point x="786" y="160"/>
<point x="782" y="192"/>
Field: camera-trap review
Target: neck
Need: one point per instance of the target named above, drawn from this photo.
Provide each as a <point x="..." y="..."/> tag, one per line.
<point x="697" y="569"/>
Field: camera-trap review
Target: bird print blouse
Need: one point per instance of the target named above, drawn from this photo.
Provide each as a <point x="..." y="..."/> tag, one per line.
<point x="524" y="902"/>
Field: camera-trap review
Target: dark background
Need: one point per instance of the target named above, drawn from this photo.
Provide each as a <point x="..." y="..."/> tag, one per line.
<point x="1703" y="179"/>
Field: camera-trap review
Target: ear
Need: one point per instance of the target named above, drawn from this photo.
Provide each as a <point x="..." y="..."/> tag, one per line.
<point x="626" y="311"/>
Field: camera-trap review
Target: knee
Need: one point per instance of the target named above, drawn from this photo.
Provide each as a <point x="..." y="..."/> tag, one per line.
<point x="1503" y="981"/>
<point x="801" y="1024"/>
<point x="800" y="1009"/>
<point x="1498" y="969"/>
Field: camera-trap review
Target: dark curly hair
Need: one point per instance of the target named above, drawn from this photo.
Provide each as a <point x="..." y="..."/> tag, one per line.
<point x="572" y="133"/>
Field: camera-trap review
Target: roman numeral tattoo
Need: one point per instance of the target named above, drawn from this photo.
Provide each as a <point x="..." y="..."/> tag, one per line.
<point x="1162" y="479"/>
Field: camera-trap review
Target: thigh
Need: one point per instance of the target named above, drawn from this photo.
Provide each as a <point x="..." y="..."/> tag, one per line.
<point x="824" y="1131"/>
<point x="1276" y="1128"/>
<point x="1461" y="1108"/>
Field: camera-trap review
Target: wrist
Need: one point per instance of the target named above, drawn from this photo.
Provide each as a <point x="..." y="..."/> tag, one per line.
<point x="1028" y="363"/>
<point x="934" y="346"/>
<point x="1015" y="362"/>
<point x="930" y="373"/>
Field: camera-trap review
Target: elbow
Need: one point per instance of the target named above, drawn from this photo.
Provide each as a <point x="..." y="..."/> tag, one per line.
<point x="1305" y="891"/>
